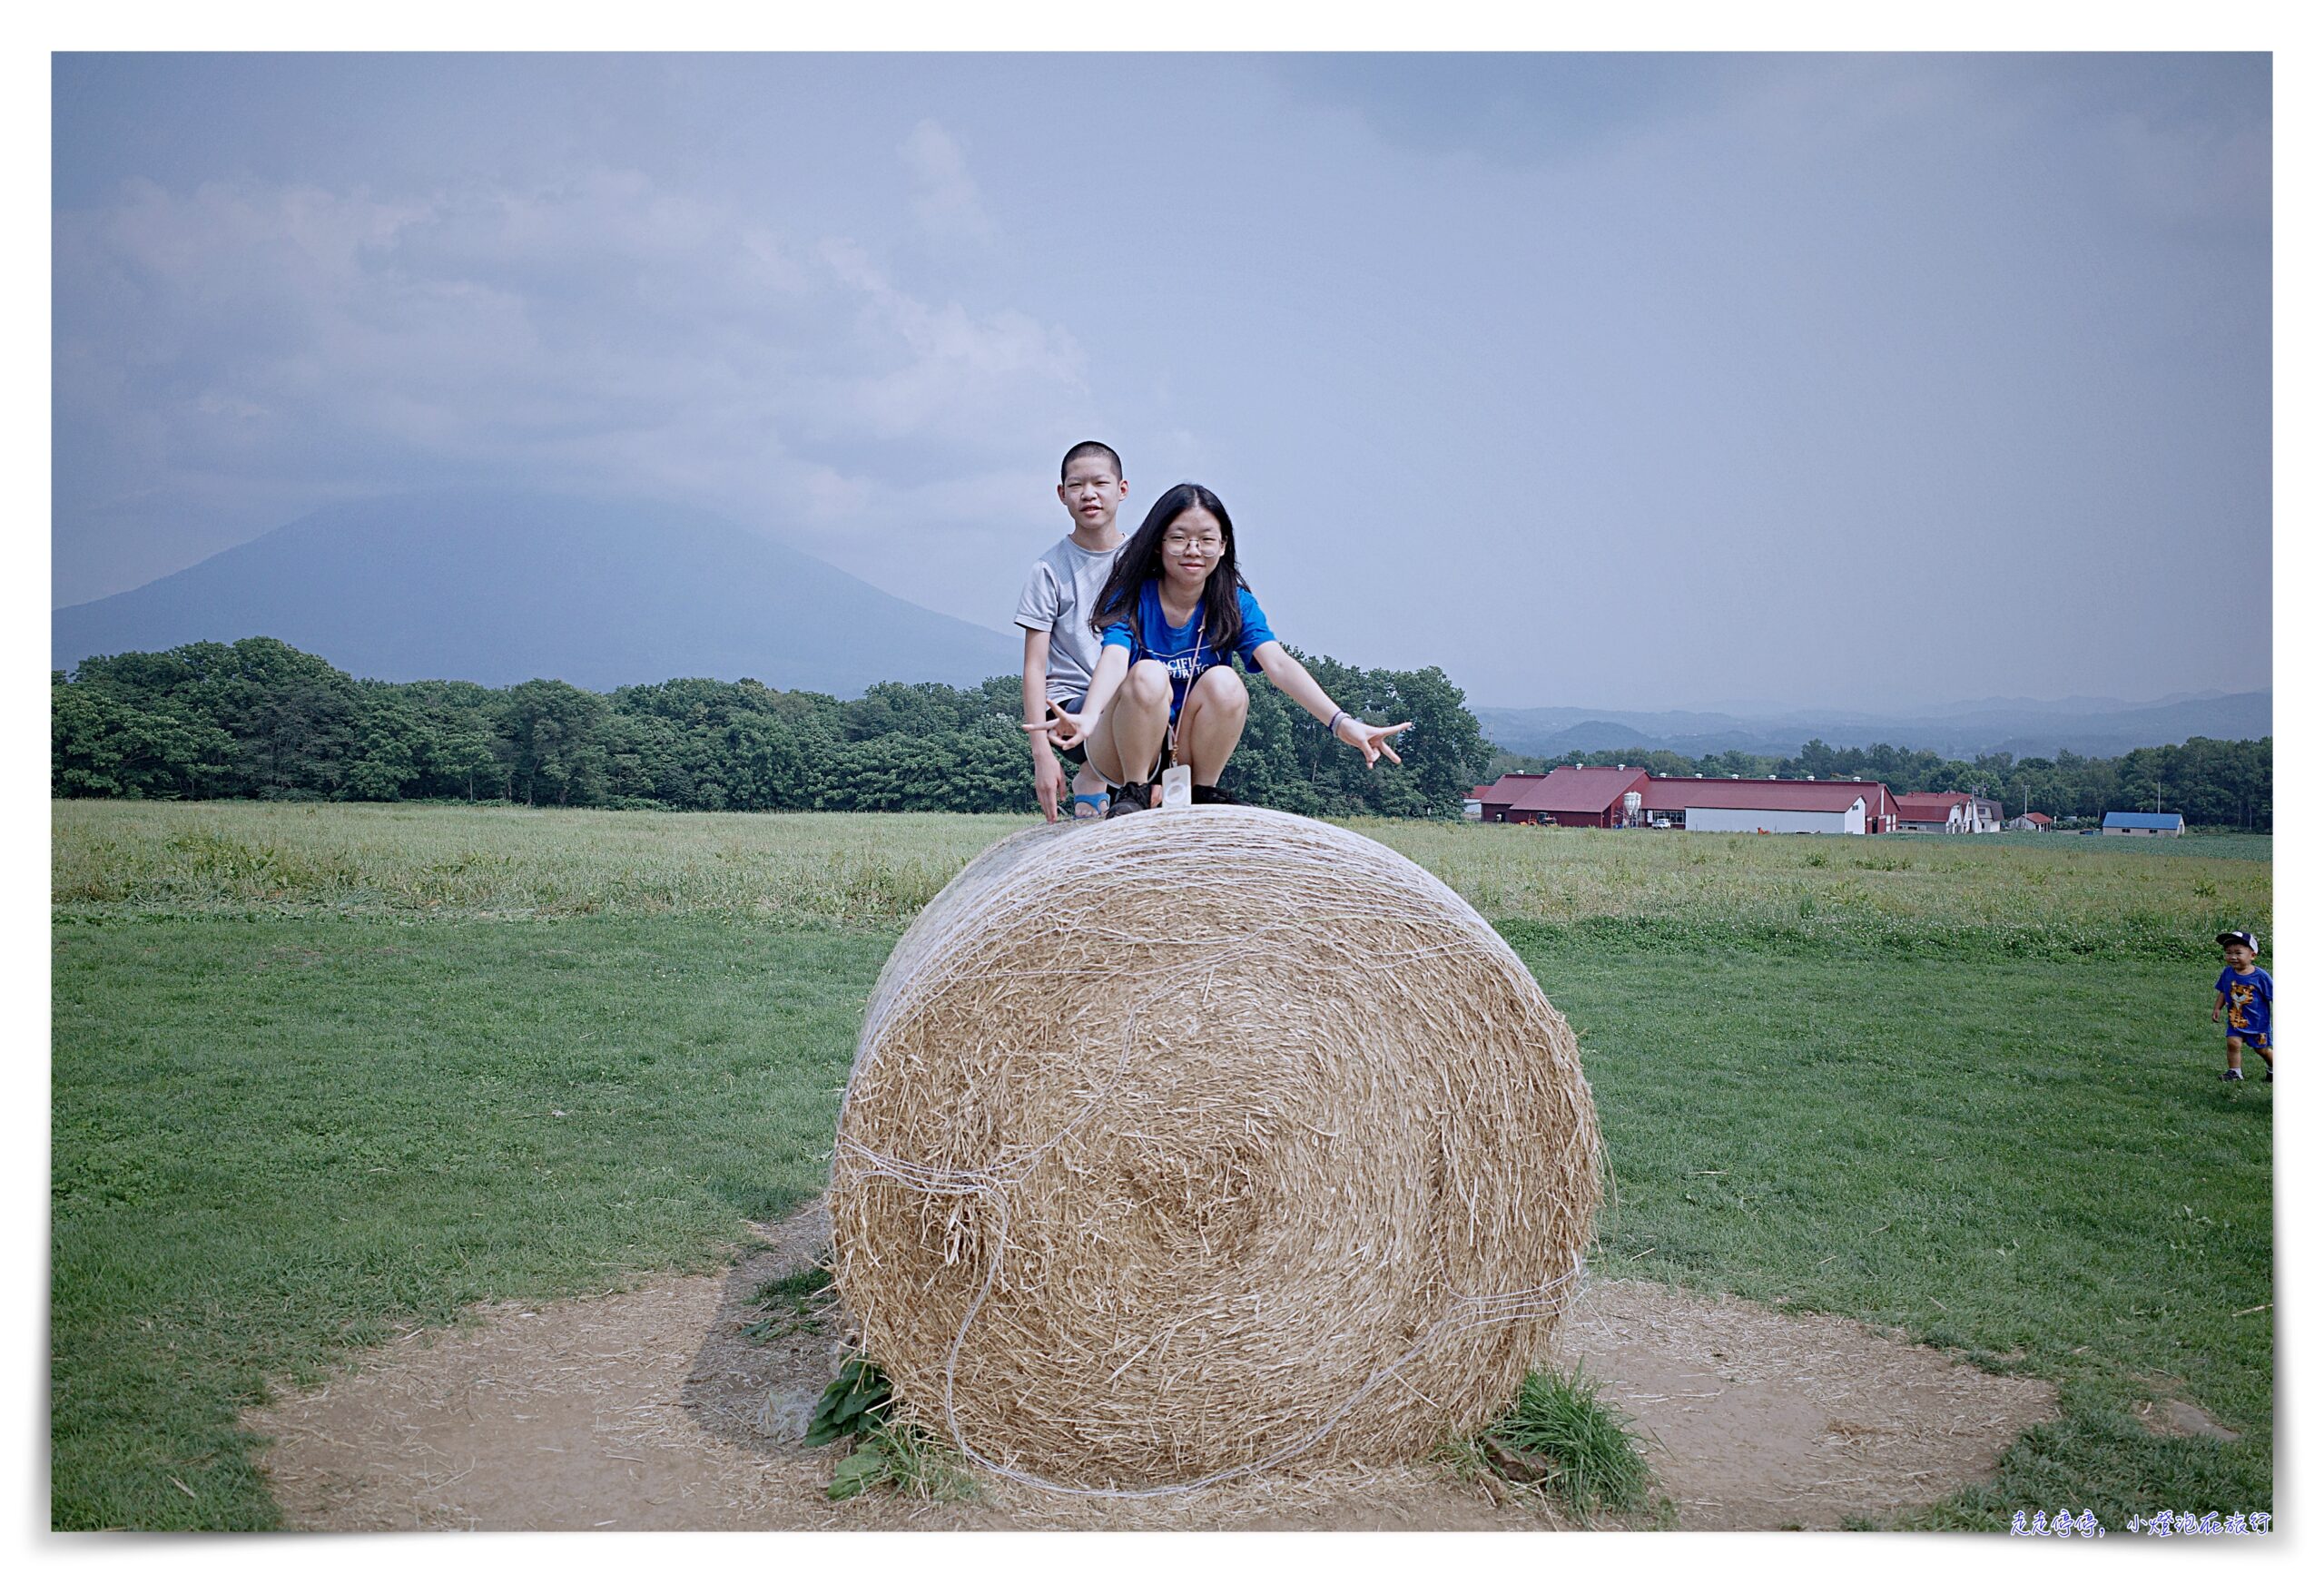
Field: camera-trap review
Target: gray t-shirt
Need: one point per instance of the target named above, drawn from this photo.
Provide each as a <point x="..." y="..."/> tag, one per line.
<point x="1057" y="599"/>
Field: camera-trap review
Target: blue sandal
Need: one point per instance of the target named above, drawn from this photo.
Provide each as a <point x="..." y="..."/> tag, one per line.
<point x="1096" y="801"/>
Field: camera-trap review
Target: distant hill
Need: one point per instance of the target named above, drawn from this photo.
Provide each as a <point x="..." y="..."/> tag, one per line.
<point x="2028" y="728"/>
<point x="501" y="587"/>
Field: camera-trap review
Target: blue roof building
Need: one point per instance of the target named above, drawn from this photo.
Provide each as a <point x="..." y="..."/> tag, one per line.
<point x="2144" y="824"/>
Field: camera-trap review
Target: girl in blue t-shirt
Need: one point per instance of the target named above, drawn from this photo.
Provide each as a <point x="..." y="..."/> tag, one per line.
<point x="1174" y="613"/>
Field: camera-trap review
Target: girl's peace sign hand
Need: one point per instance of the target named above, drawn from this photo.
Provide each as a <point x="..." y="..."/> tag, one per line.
<point x="1370" y="741"/>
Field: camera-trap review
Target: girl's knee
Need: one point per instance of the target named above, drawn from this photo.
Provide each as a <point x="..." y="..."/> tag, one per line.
<point x="1149" y="682"/>
<point x="1221" y="688"/>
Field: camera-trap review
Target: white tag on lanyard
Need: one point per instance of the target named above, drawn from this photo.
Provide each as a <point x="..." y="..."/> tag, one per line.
<point x="1177" y="787"/>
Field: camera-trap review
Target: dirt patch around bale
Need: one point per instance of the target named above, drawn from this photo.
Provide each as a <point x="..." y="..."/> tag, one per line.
<point x="672" y="1405"/>
<point x="1762" y="1419"/>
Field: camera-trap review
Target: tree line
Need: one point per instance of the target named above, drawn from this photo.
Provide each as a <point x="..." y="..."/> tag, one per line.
<point x="2229" y="784"/>
<point x="259" y="719"/>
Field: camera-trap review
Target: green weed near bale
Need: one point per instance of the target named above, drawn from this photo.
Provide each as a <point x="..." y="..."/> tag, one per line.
<point x="855" y="1402"/>
<point x="907" y="1457"/>
<point x="1560" y="1438"/>
<point x="794" y="1302"/>
<point x="884" y="1450"/>
<point x="308" y="1078"/>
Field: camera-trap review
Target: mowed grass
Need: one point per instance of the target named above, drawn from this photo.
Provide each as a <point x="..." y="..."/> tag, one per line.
<point x="277" y="1137"/>
<point x="2031" y="1162"/>
<point x="308" y="1063"/>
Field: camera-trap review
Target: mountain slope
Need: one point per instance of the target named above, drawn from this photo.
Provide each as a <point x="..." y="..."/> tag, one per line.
<point x="500" y="587"/>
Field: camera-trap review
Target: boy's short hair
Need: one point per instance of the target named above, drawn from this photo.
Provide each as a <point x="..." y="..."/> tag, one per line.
<point x="1090" y="447"/>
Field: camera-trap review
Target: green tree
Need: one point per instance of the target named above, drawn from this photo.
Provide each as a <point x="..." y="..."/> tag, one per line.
<point x="100" y="746"/>
<point x="289" y="713"/>
<point x="554" y="734"/>
<point x="459" y="756"/>
<point x="391" y="743"/>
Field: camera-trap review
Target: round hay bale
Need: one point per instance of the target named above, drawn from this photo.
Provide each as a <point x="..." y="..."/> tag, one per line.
<point x="1203" y="1141"/>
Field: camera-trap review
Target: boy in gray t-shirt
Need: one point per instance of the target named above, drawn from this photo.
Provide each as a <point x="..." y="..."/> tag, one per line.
<point x="1060" y="648"/>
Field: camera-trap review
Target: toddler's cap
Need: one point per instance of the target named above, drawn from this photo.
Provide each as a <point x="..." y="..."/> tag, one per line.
<point x="2242" y="936"/>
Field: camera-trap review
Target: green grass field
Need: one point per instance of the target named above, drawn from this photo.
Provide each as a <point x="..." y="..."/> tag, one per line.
<point x="322" y="1075"/>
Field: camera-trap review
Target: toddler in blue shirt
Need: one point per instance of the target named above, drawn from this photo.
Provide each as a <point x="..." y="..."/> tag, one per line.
<point x="2248" y="996"/>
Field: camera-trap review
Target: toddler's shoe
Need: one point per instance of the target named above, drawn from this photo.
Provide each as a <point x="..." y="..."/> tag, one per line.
<point x="2230" y="1076"/>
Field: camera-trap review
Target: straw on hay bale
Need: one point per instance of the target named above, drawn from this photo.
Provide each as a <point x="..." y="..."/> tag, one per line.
<point x="1202" y="1141"/>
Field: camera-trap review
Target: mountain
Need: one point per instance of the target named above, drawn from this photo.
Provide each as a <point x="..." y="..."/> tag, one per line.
<point x="2028" y="728"/>
<point x="501" y="587"/>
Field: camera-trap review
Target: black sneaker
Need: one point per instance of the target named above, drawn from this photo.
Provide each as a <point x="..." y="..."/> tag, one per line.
<point x="1213" y="794"/>
<point x="2269" y="1076"/>
<point x="1130" y="797"/>
<point x="2230" y="1076"/>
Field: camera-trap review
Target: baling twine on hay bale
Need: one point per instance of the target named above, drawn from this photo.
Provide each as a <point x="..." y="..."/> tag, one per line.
<point x="1193" y="1144"/>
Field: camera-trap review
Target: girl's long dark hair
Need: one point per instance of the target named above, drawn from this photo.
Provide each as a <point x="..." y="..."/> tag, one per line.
<point x="1140" y="563"/>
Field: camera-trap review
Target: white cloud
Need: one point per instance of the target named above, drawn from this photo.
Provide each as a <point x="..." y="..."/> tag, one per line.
<point x="958" y="361"/>
<point x="945" y="200"/>
<point x="602" y="332"/>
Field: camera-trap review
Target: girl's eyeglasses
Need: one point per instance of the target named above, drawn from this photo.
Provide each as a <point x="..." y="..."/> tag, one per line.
<point x="1178" y="544"/>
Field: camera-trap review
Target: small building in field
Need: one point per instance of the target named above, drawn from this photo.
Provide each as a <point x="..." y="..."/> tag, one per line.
<point x="1949" y="812"/>
<point x="1581" y="796"/>
<point x="2030" y="820"/>
<point x="2144" y="824"/>
<point x="1776" y="807"/>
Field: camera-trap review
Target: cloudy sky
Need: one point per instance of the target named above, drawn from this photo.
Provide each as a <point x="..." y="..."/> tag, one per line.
<point x="1619" y="380"/>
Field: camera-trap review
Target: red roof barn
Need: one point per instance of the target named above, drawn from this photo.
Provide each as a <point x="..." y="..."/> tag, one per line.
<point x="1493" y="801"/>
<point x="1574" y="795"/>
<point x="1775" y="805"/>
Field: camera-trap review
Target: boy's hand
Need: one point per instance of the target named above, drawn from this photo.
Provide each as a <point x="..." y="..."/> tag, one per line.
<point x="1048" y="779"/>
<point x="1064" y="730"/>
<point x="2215" y="1014"/>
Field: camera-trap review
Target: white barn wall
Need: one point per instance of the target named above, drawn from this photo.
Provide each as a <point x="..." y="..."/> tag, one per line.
<point x="1782" y="820"/>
